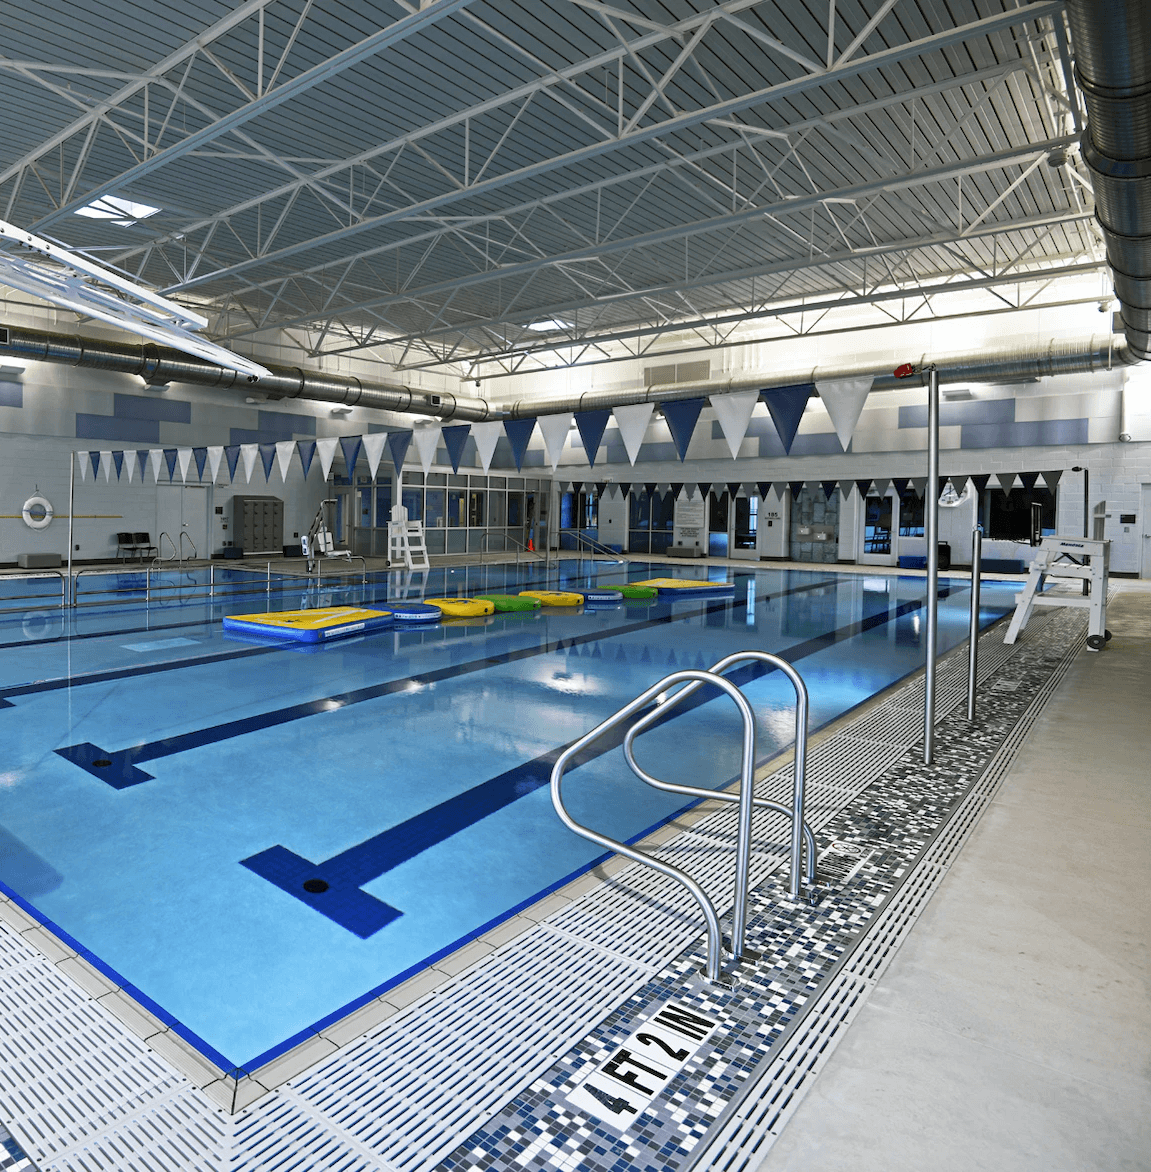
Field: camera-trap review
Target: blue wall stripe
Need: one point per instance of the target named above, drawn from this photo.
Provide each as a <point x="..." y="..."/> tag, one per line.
<point x="1034" y="434"/>
<point x="107" y="427"/>
<point x="11" y="394"/>
<point x="155" y="407"/>
<point x="950" y="414"/>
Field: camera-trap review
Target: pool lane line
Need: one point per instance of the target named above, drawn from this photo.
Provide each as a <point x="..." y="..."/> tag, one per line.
<point x="118" y="768"/>
<point x="340" y="879"/>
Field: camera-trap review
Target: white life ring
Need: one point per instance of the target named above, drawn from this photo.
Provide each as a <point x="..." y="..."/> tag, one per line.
<point x="37" y="512"/>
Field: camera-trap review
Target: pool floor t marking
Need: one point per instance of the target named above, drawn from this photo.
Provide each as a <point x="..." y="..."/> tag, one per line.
<point x="119" y="769"/>
<point x="342" y="898"/>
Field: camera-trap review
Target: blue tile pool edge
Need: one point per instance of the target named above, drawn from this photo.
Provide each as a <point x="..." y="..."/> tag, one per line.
<point x="252" y="1067"/>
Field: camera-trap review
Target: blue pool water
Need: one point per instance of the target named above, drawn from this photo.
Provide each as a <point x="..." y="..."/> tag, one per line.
<point x="165" y="790"/>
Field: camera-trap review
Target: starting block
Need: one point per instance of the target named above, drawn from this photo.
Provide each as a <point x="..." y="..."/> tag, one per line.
<point x="1067" y="557"/>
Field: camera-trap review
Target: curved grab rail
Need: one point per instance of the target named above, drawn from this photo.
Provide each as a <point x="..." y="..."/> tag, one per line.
<point x="714" y="934"/>
<point x="195" y="552"/>
<point x="800" y="831"/>
<point x="158" y="560"/>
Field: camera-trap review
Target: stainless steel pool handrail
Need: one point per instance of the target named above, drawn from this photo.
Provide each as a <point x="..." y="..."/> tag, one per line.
<point x="801" y="833"/>
<point x="195" y="553"/>
<point x="519" y="547"/>
<point x="597" y="546"/>
<point x="33" y="574"/>
<point x="747" y="775"/>
<point x="973" y="621"/>
<point x="158" y="560"/>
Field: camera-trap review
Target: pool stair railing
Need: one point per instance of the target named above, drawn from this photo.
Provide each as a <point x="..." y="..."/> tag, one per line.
<point x="652" y="706"/>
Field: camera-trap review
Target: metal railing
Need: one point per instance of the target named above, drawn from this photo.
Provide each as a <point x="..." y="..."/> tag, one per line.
<point x="543" y="555"/>
<point x="35" y="574"/>
<point x="184" y="535"/>
<point x="973" y="625"/>
<point x="596" y="546"/>
<point x="801" y="833"/>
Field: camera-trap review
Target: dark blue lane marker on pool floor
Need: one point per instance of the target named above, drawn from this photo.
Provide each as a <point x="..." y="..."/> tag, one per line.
<point x="340" y="896"/>
<point x="119" y="769"/>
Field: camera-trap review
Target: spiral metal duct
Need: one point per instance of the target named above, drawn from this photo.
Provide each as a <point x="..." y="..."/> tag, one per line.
<point x="1112" y="40"/>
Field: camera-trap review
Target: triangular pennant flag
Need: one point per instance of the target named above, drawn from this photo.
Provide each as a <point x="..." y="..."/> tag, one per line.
<point x="919" y="483"/>
<point x="232" y="454"/>
<point x="1029" y="479"/>
<point x="374" y="449"/>
<point x="864" y="487"/>
<point x="307" y="453"/>
<point x="184" y="459"/>
<point x="780" y="487"/>
<point x="1052" y="478"/>
<point x="519" y="432"/>
<point x="600" y="489"/>
<point x="156" y="460"/>
<point x="326" y="449"/>
<point x="901" y="483"/>
<point x="980" y="482"/>
<point x="681" y="416"/>
<point x="591" y="425"/>
<point x="704" y="489"/>
<point x="94" y="460"/>
<point x="285" y="450"/>
<point x="676" y="489"/>
<point x="142" y="463"/>
<point x="796" y="487"/>
<point x="554" y="429"/>
<point x="632" y="422"/>
<point x="828" y="486"/>
<point x="487" y="435"/>
<point x="82" y="460"/>
<point x="454" y="439"/>
<point x="118" y="461"/>
<point x="350" y="445"/>
<point x="427" y="440"/>
<point x="881" y="487"/>
<point x="624" y="489"/>
<point x="106" y="464"/>
<point x="763" y="488"/>
<point x="786" y="406"/>
<point x="398" y="444"/>
<point x="250" y="454"/>
<point x="200" y="455"/>
<point x="844" y="398"/>
<point x="267" y="458"/>
<point x="733" y="489"/>
<point x="845" y="487"/>
<point x="650" y="488"/>
<point x="1006" y="480"/>
<point x="734" y="414"/>
<point x="130" y="464"/>
<point x="171" y="455"/>
<point x="215" y="455"/>
<point x="959" y="483"/>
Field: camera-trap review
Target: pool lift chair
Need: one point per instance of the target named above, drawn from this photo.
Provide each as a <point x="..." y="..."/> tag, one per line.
<point x="319" y="543"/>
<point x="652" y="706"/>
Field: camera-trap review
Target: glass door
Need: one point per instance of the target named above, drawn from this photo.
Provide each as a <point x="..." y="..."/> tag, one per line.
<point x="718" y="537"/>
<point x="879" y="521"/>
<point x="745" y="528"/>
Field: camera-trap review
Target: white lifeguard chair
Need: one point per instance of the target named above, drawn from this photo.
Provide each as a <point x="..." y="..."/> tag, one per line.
<point x="406" y="540"/>
<point x="1077" y="558"/>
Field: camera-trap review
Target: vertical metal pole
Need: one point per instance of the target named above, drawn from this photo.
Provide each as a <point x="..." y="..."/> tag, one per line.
<point x="973" y="629"/>
<point x="211" y="579"/>
<point x="797" y="797"/>
<point x="1086" y="520"/>
<point x="71" y="521"/>
<point x="931" y="500"/>
<point x="743" y="840"/>
<point x="148" y="585"/>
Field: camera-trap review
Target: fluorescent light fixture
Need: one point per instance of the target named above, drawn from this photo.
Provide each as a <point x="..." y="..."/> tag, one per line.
<point x="549" y="325"/>
<point x="10" y="371"/>
<point x="124" y="212"/>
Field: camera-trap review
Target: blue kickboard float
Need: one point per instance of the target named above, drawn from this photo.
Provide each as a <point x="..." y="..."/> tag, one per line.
<point x="310" y="626"/>
<point x="410" y="613"/>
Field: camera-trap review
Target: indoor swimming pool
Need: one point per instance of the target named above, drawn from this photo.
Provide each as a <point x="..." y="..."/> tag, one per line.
<point x="256" y="839"/>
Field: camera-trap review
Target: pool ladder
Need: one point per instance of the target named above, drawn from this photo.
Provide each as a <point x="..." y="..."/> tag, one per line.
<point x="802" y="877"/>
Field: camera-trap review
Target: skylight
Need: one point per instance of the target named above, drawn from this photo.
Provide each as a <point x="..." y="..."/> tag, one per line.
<point x="548" y="325"/>
<point x="119" y="211"/>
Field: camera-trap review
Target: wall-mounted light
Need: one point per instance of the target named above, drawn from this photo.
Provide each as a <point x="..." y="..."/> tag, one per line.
<point x="155" y="386"/>
<point x="340" y="411"/>
<point x="249" y="399"/>
<point x="11" y="370"/>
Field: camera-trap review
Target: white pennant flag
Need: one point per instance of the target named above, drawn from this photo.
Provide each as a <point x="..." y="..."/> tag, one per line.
<point x="106" y="464"/>
<point x="734" y="414"/>
<point x="215" y="455"/>
<point x="427" y="439"/>
<point x="130" y="464"/>
<point x="83" y="458"/>
<point x="554" y="429"/>
<point x="249" y="453"/>
<point x="285" y="450"/>
<point x="487" y="435"/>
<point x="184" y="462"/>
<point x="844" y="398"/>
<point x="632" y="422"/>
<point x="374" y="449"/>
<point x="326" y="450"/>
<point x="156" y="460"/>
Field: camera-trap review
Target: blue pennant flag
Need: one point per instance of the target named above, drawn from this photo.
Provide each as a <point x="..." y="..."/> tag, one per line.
<point x="350" y="445"/>
<point x="142" y="462"/>
<point x="681" y="416"/>
<point x="786" y="406"/>
<point x="307" y="450"/>
<point x="829" y="486"/>
<point x="170" y="459"/>
<point x="232" y="455"/>
<point x="398" y="443"/>
<point x="519" y="433"/>
<point x="94" y="459"/>
<point x="200" y="455"/>
<point x="268" y="457"/>
<point x="454" y="439"/>
<point x="118" y="460"/>
<point x="763" y="487"/>
<point x="796" y="487"/>
<point x="591" y="426"/>
<point x="901" y="483"/>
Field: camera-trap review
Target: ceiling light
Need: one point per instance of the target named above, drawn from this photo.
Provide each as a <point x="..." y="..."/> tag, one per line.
<point x="10" y="371"/>
<point x="341" y="411"/>
<point x="124" y="212"/>
<point x="549" y="325"/>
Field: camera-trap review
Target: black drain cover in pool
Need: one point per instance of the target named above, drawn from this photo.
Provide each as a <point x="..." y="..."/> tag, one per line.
<point x="315" y="886"/>
<point x="101" y="763"/>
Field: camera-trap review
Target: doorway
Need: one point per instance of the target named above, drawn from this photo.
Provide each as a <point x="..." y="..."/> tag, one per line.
<point x="880" y="517"/>
<point x="718" y="537"/>
<point x="182" y="508"/>
<point x="1145" y="530"/>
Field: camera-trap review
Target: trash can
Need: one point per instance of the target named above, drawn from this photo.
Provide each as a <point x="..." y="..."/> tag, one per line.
<point x="945" y="555"/>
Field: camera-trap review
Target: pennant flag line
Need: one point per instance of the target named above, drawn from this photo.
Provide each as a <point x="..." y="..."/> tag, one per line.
<point x="130" y="463"/>
<point x="487" y="435"/>
<point x="285" y="450"/>
<point x="200" y="455"/>
<point x="734" y="415"/>
<point x="632" y="422"/>
<point x="455" y="438"/>
<point x="350" y="445"/>
<point x="374" y="449"/>
<point x="786" y="406"/>
<point x="106" y="464"/>
<point x="184" y="460"/>
<point x="267" y="459"/>
<point x="307" y="451"/>
<point x="519" y="432"/>
<point x="170" y="457"/>
<point x="554" y="429"/>
<point x="591" y="426"/>
<point x="681" y="416"/>
<point x="215" y="455"/>
<point x="398" y="444"/>
<point x="844" y="399"/>
<point x="427" y="439"/>
<point x="326" y="450"/>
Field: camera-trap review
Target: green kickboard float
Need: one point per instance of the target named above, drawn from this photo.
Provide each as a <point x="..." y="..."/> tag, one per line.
<point x="639" y="593"/>
<point x="509" y="602"/>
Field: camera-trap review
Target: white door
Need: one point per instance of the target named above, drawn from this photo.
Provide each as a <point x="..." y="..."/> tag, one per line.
<point x="182" y="508"/>
<point x="1145" y="530"/>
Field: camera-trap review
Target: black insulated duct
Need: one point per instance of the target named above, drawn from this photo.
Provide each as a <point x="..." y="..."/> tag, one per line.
<point x="1112" y="41"/>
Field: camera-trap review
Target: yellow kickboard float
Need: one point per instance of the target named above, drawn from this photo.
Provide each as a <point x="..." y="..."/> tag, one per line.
<point x="462" y="607"/>
<point x="554" y="597"/>
<point x="310" y="626"/>
<point x="685" y="587"/>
